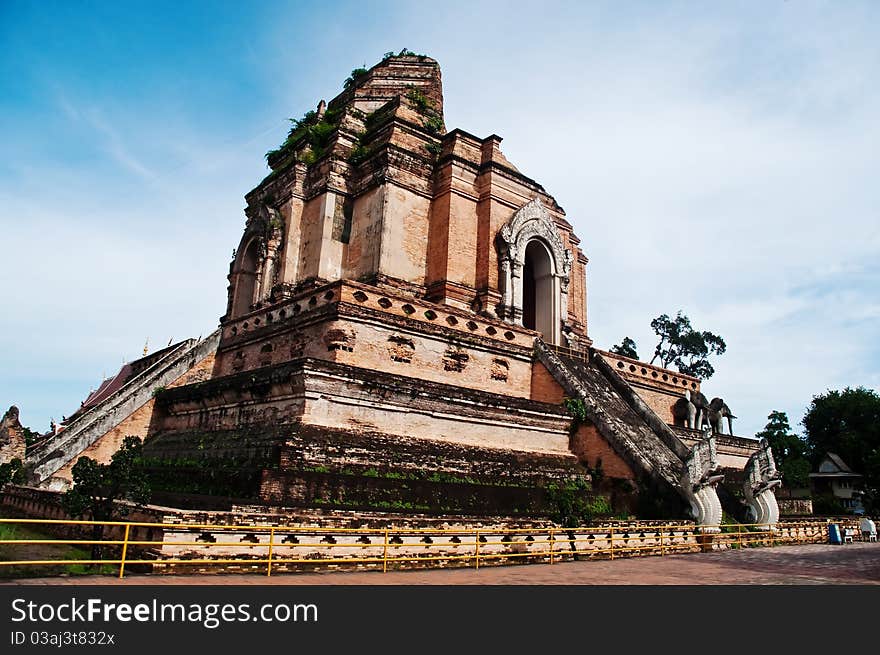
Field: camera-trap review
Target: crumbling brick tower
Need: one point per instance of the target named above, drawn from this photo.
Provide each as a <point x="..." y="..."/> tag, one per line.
<point x="392" y="287"/>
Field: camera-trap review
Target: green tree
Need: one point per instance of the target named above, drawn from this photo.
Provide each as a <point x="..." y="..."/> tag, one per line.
<point x="688" y="349"/>
<point x="572" y="504"/>
<point x="97" y="487"/>
<point x="30" y="436"/>
<point x="11" y="471"/>
<point x="848" y="423"/>
<point x="789" y="450"/>
<point x="626" y="348"/>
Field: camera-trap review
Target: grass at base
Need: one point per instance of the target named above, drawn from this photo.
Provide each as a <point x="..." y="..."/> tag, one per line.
<point x="15" y="552"/>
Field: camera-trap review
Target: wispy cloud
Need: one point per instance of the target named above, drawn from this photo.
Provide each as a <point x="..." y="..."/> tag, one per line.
<point x="112" y="142"/>
<point x="717" y="160"/>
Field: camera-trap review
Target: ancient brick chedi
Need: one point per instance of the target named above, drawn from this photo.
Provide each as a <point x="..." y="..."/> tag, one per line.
<point x="406" y="313"/>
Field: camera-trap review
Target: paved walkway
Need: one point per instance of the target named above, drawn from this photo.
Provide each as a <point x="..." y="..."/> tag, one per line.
<point x="809" y="564"/>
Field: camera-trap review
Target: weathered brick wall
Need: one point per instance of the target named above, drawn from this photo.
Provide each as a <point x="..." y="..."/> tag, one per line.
<point x="733" y="452"/>
<point x="136" y="424"/>
<point x="658" y="387"/>
<point x="311" y="233"/>
<point x="12" y="441"/>
<point x="358" y="325"/>
<point x="405" y="229"/>
<point x="365" y="244"/>
<point x="545" y="388"/>
<point x="321" y="536"/>
<point x="660" y="401"/>
<point x="340" y="396"/>
<point x="592" y="449"/>
<point x="427" y="219"/>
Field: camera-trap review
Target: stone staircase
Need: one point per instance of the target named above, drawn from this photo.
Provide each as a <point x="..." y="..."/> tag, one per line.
<point x="50" y="456"/>
<point x="629" y="426"/>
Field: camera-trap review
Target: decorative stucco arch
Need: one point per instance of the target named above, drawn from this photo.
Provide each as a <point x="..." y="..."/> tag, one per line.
<point x="529" y="223"/>
<point x="256" y="265"/>
<point x="246" y="276"/>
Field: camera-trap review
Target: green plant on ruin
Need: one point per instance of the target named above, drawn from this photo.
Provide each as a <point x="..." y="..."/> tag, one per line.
<point x="312" y="131"/>
<point x="356" y="75"/>
<point x="433" y="148"/>
<point x="12" y="471"/>
<point x="572" y="504"/>
<point x="158" y="391"/>
<point x="420" y="101"/>
<point x="360" y="153"/>
<point x="405" y="52"/>
<point x="434" y="124"/>
<point x="578" y="412"/>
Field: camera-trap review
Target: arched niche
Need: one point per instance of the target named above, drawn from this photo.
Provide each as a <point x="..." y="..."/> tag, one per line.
<point x="245" y="276"/>
<point x="535" y="268"/>
<point x="538" y="289"/>
<point x="255" y="268"/>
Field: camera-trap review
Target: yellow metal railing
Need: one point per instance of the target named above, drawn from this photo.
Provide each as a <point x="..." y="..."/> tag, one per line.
<point x="282" y="546"/>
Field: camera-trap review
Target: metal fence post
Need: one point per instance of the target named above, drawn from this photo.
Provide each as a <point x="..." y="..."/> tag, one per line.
<point x="662" y="551"/>
<point x="551" y="545"/>
<point x="385" y="553"/>
<point x="477" y="544"/>
<point x="612" y="542"/>
<point x="124" y="551"/>
<point x="271" y="543"/>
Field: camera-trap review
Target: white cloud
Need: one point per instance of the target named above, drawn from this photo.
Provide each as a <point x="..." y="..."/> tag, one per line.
<point x="719" y="161"/>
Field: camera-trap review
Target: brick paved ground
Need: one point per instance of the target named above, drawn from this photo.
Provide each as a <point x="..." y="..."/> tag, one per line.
<point x="812" y="564"/>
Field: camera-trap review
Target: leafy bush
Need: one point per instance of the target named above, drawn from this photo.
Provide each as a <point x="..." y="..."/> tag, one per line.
<point x="352" y="79"/>
<point x="310" y="131"/>
<point x="12" y="471"/>
<point x="574" y="505"/>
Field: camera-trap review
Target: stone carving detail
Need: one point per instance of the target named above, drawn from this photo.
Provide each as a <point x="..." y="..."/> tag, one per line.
<point x="761" y="477"/>
<point x="500" y="369"/>
<point x="699" y="480"/>
<point x="401" y="348"/>
<point x="717" y="412"/>
<point x="272" y="240"/>
<point x="339" y="339"/>
<point x="239" y="361"/>
<point x="12" y="441"/>
<point x="455" y="359"/>
<point x="702" y="405"/>
<point x="686" y="411"/>
<point x="530" y="221"/>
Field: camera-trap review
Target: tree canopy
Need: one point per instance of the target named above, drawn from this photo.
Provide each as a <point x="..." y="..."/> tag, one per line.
<point x="626" y="348"/>
<point x="683" y="346"/>
<point x="12" y="471"/>
<point x="789" y="450"/>
<point x="848" y="423"/>
<point x="97" y="487"/>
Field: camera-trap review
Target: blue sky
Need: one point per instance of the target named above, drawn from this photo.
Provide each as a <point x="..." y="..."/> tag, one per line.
<point x="717" y="159"/>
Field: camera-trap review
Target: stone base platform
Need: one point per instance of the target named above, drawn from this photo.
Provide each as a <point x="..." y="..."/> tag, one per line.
<point x="313" y="433"/>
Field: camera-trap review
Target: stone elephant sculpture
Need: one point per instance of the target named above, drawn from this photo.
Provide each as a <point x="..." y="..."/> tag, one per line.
<point x="685" y="411"/>
<point x="702" y="404"/>
<point x="717" y="412"/>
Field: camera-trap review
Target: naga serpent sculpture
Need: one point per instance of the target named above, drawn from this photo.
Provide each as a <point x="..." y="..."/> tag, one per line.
<point x="760" y="480"/>
<point x="701" y="474"/>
